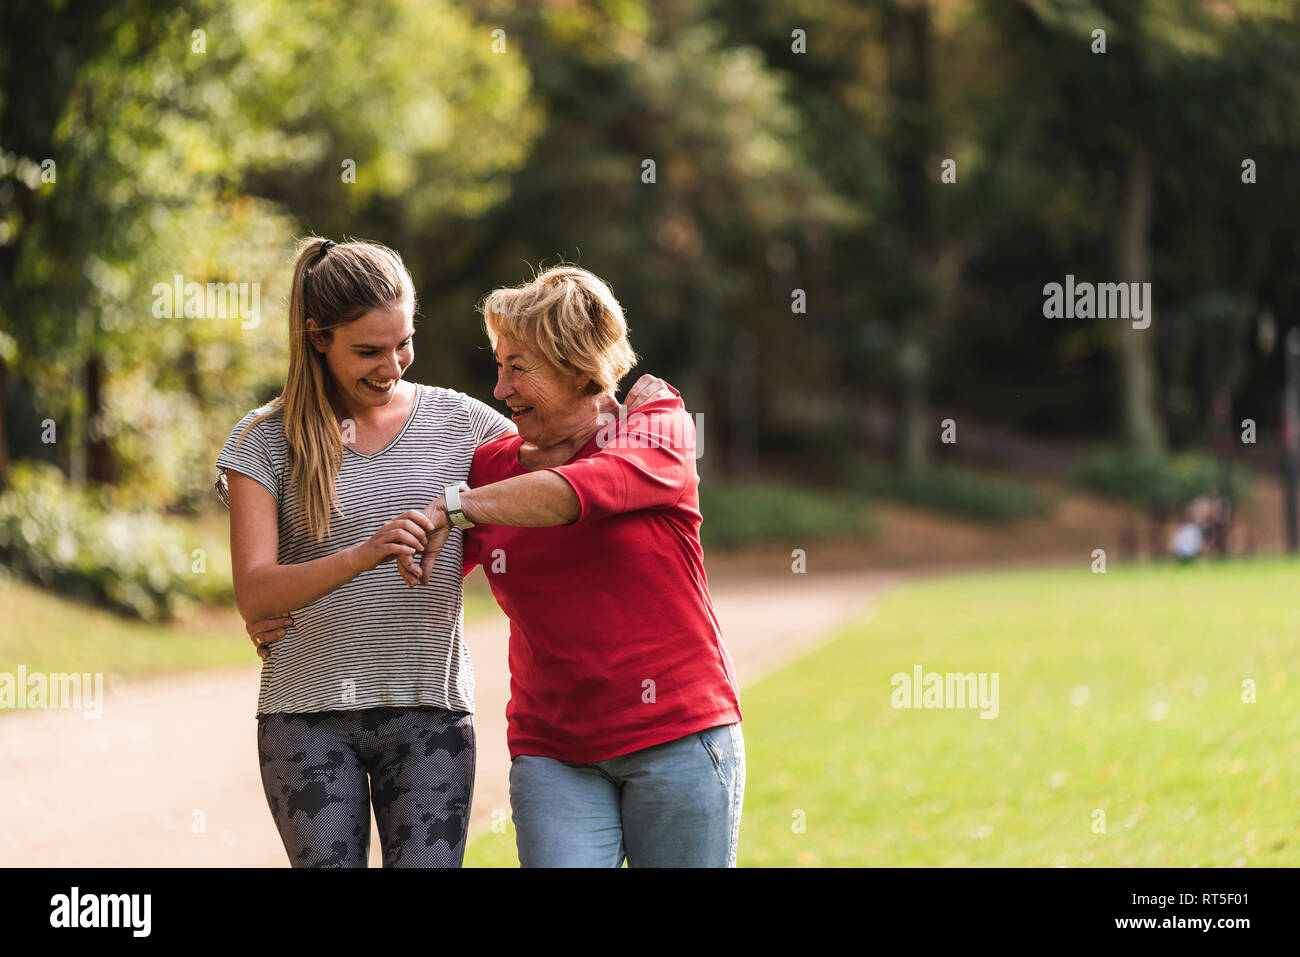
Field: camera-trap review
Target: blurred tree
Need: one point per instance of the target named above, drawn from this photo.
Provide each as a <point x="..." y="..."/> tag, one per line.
<point x="1165" y="98"/>
<point x="910" y="145"/>
<point x="183" y="144"/>
<point x="886" y="88"/>
<point x="43" y="45"/>
<point x="1044" y="136"/>
<point x="797" y="152"/>
<point x="731" y="175"/>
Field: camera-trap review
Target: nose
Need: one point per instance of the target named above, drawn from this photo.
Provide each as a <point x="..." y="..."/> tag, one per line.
<point x="504" y="389"/>
<point x="394" y="367"/>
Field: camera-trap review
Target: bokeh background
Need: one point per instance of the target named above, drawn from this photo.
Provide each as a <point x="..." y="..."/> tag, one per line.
<point x="830" y="224"/>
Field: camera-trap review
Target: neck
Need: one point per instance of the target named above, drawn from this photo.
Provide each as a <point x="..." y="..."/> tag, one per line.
<point x="564" y="447"/>
<point x="365" y="414"/>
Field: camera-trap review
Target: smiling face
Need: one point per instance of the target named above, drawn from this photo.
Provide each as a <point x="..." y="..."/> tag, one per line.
<point x="368" y="357"/>
<point x="547" y="405"/>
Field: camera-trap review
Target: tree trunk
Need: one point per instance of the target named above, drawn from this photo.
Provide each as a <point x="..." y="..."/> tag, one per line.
<point x="1143" y="426"/>
<point x="910" y="147"/>
<point x="102" y="467"/>
<point x="4" y="436"/>
<point x="915" y="430"/>
<point x="744" y="406"/>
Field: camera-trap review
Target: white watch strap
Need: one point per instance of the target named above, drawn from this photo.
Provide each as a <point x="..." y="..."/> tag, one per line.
<point x="454" y="512"/>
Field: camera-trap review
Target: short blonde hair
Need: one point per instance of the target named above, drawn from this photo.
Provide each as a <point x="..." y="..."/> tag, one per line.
<point x="570" y="317"/>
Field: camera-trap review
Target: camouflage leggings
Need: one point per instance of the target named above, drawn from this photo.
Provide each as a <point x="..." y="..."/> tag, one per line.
<point x="420" y="765"/>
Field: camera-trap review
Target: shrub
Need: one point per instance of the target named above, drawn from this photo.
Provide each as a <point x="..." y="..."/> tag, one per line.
<point x="953" y="491"/>
<point x="755" y="513"/>
<point x="1154" y="484"/>
<point x="66" y="539"/>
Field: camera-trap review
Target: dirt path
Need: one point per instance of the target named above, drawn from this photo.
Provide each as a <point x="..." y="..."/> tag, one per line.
<point x="145" y="785"/>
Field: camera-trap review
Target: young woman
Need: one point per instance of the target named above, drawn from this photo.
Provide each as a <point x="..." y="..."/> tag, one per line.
<point x="368" y="697"/>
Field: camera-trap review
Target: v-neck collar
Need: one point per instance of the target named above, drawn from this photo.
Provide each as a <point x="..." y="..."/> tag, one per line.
<point x="415" y="407"/>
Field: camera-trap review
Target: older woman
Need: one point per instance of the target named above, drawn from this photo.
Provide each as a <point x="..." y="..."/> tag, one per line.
<point x="623" y="721"/>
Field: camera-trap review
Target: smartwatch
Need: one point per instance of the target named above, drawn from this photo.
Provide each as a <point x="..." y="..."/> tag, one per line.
<point x="454" y="512"/>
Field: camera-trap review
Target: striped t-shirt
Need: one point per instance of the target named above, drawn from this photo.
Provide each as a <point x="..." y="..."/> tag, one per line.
<point x="373" y="642"/>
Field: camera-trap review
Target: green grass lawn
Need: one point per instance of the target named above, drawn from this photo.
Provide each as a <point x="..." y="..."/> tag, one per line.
<point x="1119" y="693"/>
<point x="51" y="634"/>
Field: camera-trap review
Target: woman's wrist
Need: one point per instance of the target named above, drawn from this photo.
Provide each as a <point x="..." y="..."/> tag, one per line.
<point x="438" y="505"/>
<point x="467" y="504"/>
<point x="355" y="557"/>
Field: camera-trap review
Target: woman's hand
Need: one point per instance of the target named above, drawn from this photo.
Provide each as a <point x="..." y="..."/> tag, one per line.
<point x="436" y="514"/>
<point x="400" y="538"/>
<point x="266" y="631"/>
<point x="648" y="388"/>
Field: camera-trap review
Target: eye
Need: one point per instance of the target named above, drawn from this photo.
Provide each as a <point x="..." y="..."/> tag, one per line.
<point x="371" y="353"/>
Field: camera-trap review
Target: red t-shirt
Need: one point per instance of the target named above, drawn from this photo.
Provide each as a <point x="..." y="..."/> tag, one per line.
<point x="614" y="645"/>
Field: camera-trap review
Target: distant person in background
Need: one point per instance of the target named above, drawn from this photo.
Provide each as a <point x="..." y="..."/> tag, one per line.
<point x="1214" y="516"/>
<point x="1187" y="541"/>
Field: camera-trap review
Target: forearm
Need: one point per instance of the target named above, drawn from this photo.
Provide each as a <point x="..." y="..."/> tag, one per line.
<point x="535" y="500"/>
<point x="269" y="590"/>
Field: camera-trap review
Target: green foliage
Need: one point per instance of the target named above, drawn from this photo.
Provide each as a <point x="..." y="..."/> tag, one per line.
<point x="953" y="491"/>
<point x="68" y="540"/>
<point x="46" y="632"/>
<point x="1152" y="483"/>
<point x="754" y="514"/>
<point x="775" y="171"/>
<point x="197" y="140"/>
<point x="686" y="254"/>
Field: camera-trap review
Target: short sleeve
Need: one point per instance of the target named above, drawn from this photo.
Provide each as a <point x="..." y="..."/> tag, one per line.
<point x="485" y="422"/>
<point x="255" y="455"/>
<point x="646" y="460"/>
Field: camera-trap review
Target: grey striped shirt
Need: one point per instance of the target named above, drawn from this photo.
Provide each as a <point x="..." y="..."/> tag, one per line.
<point x="372" y="643"/>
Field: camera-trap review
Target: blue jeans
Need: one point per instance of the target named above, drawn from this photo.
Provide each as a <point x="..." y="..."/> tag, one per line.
<point x="675" y="804"/>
